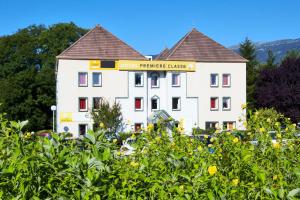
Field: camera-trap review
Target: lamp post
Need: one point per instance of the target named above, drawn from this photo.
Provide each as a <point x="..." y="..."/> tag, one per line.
<point x="53" y="108"/>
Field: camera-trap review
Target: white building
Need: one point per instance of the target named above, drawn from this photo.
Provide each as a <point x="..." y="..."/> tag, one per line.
<point x="197" y="82"/>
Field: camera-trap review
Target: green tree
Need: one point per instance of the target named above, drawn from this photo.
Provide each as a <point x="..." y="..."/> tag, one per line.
<point x="108" y="117"/>
<point x="292" y="54"/>
<point x="27" y="71"/>
<point x="247" y="50"/>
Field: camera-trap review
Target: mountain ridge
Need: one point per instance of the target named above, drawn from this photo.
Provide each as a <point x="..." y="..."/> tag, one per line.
<point x="278" y="47"/>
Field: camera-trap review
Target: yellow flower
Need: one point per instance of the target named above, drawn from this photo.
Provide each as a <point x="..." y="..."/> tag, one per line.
<point x="278" y="135"/>
<point x="210" y="145"/>
<point x="217" y="131"/>
<point x="262" y="129"/>
<point x="212" y="139"/>
<point x="244" y="106"/>
<point x="101" y="125"/>
<point x="228" y="133"/>
<point x="276" y="145"/>
<point x="205" y="136"/>
<point x="235" y="140"/>
<point x="277" y="124"/>
<point x="199" y="148"/>
<point x="268" y="120"/>
<point x="245" y="124"/>
<point x="235" y="182"/>
<point x="115" y="140"/>
<point x="181" y="187"/>
<point x="287" y="129"/>
<point x="134" y="164"/>
<point x="275" y="177"/>
<point x="150" y="127"/>
<point x="212" y="170"/>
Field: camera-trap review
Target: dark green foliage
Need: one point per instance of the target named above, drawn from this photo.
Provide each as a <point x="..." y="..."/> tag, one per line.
<point x="280" y="88"/>
<point x="247" y="50"/>
<point x="27" y="71"/>
<point x="108" y="116"/>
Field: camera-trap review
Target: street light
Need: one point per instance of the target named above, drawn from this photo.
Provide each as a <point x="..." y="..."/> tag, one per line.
<point x="53" y="108"/>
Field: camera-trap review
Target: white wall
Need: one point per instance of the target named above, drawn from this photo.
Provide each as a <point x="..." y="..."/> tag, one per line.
<point x="114" y="83"/>
<point x="198" y="84"/>
<point x="194" y="91"/>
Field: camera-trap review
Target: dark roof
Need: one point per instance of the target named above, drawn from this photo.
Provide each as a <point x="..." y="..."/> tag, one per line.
<point x="162" y="54"/>
<point x="195" y="46"/>
<point x="99" y="43"/>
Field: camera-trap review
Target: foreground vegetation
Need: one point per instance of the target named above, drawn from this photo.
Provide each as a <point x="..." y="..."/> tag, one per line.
<point x="180" y="167"/>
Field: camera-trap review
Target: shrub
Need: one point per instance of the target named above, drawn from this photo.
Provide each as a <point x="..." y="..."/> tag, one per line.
<point x="161" y="167"/>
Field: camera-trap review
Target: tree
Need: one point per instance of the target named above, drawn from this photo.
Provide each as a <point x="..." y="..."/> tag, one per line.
<point x="280" y="88"/>
<point x="27" y="71"/>
<point x="108" y="117"/>
<point x="270" y="64"/>
<point x="247" y="50"/>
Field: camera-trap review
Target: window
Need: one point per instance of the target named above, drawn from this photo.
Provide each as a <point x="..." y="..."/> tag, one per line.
<point x="228" y="125"/>
<point x="175" y="103"/>
<point x="82" y="104"/>
<point x="154" y="80"/>
<point x="155" y="103"/>
<point x="82" y="129"/>
<point x="226" y="103"/>
<point x="175" y="80"/>
<point x="211" y="125"/>
<point x="214" y="103"/>
<point x="137" y="127"/>
<point x="97" y="102"/>
<point x="138" y="80"/>
<point x="82" y="79"/>
<point x="138" y="103"/>
<point x="97" y="79"/>
<point x="214" y="80"/>
<point x="226" y="80"/>
<point x="107" y="64"/>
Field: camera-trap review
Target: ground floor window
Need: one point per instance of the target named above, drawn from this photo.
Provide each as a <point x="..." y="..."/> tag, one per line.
<point x="137" y="127"/>
<point x="211" y="125"/>
<point x="82" y="129"/>
<point x="228" y="125"/>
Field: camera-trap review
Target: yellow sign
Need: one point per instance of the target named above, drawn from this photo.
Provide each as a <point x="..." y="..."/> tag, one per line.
<point x="95" y="65"/>
<point x="155" y="65"/>
<point x="66" y="117"/>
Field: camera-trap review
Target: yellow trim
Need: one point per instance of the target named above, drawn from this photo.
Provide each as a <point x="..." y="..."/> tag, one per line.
<point x="136" y="65"/>
<point x="96" y="65"/>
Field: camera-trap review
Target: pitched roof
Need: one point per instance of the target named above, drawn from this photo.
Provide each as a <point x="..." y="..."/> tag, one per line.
<point x="99" y="43"/>
<point x="195" y="46"/>
<point x="162" y="54"/>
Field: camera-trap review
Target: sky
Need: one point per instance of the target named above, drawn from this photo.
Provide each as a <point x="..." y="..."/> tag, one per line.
<point x="150" y="26"/>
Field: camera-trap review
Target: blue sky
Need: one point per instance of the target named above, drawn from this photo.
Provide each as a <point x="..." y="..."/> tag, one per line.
<point x="149" y="26"/>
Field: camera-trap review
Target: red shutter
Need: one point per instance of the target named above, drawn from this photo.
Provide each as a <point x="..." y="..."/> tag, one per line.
<point x="212" y="103"/>
<point x="82" y="104"/>
<point x="138" y="103"/>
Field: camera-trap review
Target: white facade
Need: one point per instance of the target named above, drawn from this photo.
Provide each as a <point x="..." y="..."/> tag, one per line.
<point x="195" y="93"/>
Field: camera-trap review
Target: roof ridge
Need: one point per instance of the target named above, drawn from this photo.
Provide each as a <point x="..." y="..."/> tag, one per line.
<point x="67" y="49"/>
<point x="121" y="41"/>
<point x="176" y="46"/>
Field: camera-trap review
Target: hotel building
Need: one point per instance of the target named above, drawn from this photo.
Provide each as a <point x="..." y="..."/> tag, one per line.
<point x="197" y="82"/>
